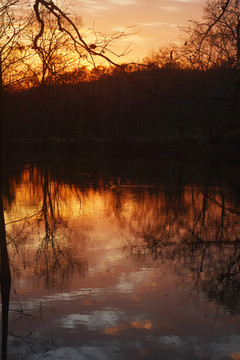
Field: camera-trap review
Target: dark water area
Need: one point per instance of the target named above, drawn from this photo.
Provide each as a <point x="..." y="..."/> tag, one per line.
<point x="122" y="259"/>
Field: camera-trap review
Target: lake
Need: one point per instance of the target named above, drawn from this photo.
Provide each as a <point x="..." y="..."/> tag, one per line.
<point x="123" y="259"/>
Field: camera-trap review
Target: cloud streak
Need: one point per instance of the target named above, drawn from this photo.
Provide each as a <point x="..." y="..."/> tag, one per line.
<point x="156" y="21"/>
<point x="123" y="2"/>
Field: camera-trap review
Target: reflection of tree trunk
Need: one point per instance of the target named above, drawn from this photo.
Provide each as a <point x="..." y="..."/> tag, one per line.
<point x="5" y="277"/>
<point x="205" y="195"/>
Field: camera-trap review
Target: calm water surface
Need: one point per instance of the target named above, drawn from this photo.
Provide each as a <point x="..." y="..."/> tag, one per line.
<point x="123" y="266"/>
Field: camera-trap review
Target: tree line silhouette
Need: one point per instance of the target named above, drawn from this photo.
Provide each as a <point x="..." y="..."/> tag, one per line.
<point x="181" y="97"/>
<point x="184" y="97"/>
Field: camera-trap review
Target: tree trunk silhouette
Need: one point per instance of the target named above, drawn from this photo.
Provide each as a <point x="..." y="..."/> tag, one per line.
<point x="5" y="274"/>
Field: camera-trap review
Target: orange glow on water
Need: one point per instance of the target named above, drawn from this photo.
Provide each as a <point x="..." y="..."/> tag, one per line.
<point x="91" y="224"/>
<point x="235" y="356"/>
<point x="124" y="262"/>
<point x="147" y="325"/>
<point x="175" y="214"/>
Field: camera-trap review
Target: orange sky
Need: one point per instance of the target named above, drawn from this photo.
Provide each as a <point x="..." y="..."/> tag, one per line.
<point x="155" y="22"/>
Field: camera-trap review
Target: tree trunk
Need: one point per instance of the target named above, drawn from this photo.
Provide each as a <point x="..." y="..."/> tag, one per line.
<point x="5" y="274"/>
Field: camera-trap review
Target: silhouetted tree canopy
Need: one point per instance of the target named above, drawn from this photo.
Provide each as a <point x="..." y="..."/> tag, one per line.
<point x="213" y="42"/>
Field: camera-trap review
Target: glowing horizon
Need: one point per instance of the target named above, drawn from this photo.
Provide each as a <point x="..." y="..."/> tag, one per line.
<point x="153" y="23"/>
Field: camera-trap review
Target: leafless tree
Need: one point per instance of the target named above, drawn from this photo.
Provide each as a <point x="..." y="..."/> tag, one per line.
<point x="13" y="49"/>
<point x="13" y="45"/>
<point x="214" y="41"/>
<point x="88" y="50"/>
<point x="54" y="55"/>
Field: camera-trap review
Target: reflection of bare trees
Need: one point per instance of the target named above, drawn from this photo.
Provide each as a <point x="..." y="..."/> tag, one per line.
<point x="183" y="214"/>
<point x="197" y="230"/>
<point x="53" y="258"/>
<point x="207" y="270"/>
<point x="223" y="285"/>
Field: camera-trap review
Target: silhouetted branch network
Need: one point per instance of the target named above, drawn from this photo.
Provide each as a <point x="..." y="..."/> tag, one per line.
<point x="79" y="43"/>
<point x="7" y="5"/>
<point x="224" y="8"/>
<point x="228" y="9"/>
<point x="75" y="36"/>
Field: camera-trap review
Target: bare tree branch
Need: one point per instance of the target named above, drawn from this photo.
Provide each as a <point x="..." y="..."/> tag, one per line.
<point x="74" y="35"/>
<point x="224" y="7"/>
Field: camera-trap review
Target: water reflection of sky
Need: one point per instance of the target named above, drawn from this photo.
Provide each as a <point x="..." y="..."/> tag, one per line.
<point x="120" y="271"/>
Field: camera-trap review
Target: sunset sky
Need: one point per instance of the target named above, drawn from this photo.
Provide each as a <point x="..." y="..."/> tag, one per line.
<point x="154" y="23"/>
